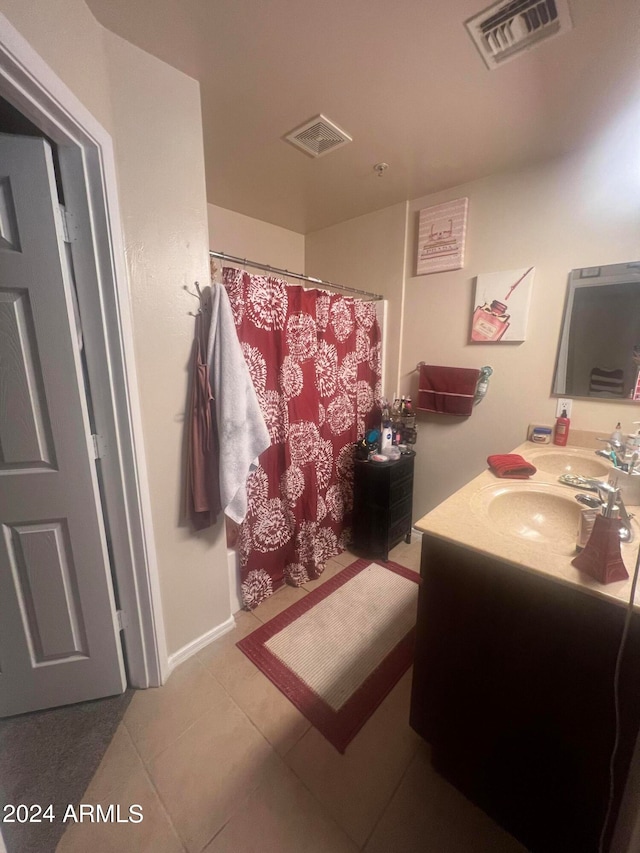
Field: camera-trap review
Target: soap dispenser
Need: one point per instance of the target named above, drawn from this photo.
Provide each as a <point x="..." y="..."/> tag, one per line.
<point x="601" y="557"/>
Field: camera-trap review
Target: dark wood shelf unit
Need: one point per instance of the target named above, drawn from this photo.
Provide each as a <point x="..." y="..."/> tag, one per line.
<point x="382" y="505"/>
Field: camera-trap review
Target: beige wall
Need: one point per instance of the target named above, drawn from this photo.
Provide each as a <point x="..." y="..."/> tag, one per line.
<point x="580" y="211"/>
<point x="153" y="114"/>
<point x="368" y="253"/>
<point x="68" y="38"/>
<point x="259" y="241"/>
<point x="159" y="154"/>
<point x="568" y="214"/>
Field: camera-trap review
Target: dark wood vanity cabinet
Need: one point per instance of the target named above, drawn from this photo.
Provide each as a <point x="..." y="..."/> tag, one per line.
<point x="513" y="689"/>
<point x="382" y="505"/>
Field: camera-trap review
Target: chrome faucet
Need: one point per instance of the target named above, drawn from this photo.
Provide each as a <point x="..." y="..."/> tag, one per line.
<point x="615" y="454"/>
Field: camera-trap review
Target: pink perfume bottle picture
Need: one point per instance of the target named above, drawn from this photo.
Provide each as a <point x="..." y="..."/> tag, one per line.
<point x="491" y="320"/>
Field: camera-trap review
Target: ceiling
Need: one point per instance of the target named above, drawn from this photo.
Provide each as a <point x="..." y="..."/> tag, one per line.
<point x="403" y="79"/>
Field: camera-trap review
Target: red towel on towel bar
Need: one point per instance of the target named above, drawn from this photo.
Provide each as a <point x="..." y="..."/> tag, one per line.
<point x="511" y="466"/>
<point x="447" y="390"/>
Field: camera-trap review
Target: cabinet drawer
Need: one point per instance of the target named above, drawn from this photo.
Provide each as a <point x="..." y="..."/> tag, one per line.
<point x="400" y="510"/>
<point x="399" y="530"/>
<point x="403" y="468"/>
<point x="401" y="489"/>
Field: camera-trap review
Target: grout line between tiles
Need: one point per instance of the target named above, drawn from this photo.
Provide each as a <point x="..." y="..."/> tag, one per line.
<point x="296" y="742"/>
<point x="184" y="731"/>
<point x="160" y="800"/>
<point x="258" y="673"/>
<point x="249" y="791"/>
<point x="218" y="831"/>
<point x="324" y="810"/>
<point x="167" y="813"/>
<point x="385" y="808"/>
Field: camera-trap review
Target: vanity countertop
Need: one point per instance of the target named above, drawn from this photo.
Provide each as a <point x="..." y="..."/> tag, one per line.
<point x="463" y="520"/>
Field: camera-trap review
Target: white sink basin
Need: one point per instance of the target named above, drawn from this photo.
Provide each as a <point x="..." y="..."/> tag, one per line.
<point x="583" y="463"/>
<point x="535" y="512"/>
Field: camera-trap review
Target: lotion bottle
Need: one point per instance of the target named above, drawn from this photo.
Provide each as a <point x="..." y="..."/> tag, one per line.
<point x="561" y="434"/>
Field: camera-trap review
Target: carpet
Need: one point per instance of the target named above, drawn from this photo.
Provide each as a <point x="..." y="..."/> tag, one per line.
<point x="337" y="652"/>
<point x="50" y="757"/>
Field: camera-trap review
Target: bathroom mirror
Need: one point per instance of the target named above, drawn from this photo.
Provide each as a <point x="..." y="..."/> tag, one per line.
<point x="599" y="350"/>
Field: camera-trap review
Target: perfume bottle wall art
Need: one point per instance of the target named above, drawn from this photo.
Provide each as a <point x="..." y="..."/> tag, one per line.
<point x="502" y="306"/>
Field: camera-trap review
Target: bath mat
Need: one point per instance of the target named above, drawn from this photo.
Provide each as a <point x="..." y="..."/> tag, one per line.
<point x="337" y="652"/>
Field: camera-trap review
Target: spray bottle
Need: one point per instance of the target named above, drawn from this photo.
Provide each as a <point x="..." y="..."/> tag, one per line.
<point x="561" y="433"/>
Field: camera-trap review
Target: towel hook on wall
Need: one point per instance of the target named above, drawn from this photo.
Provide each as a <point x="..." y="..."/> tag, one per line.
<point x="197" y="296"/>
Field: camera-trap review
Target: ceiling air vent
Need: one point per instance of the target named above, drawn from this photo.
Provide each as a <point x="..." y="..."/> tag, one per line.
<point x="511" y="26"/>
<point x="318" y="136"/>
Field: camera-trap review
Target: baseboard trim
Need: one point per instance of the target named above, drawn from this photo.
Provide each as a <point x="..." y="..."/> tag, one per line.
<point x="194" y="646"/>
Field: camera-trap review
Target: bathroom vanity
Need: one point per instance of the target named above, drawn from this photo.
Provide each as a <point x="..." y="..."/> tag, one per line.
<point x="515" y="657"/>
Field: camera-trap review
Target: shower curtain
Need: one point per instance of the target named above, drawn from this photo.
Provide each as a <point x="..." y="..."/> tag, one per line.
<point x="314" y="358"/>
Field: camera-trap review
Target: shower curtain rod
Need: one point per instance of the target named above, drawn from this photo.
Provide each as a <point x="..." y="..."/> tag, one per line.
<point x="224" y="257"/>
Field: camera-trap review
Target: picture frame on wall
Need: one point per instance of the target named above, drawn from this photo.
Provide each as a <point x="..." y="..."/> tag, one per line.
<point x="441" y="237"/>
<point x="501" y="303"/>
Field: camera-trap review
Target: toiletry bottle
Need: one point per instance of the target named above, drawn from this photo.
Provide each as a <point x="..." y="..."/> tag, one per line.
<point x="409" y="432"/>
<point x="385" y="430"/>
<point x="396" y="421"/>
<point x="616" y="435"/>
<point x="632" y="444"/>
<point x="561" y="434"/>
<point x="482" y="384"/>
<point x="386" y="438"/>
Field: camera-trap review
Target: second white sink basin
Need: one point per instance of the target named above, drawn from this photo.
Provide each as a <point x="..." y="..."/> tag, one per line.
<point x="583" y="463"/>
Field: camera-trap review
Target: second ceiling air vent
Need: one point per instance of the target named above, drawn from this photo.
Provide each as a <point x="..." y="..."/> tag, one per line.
<point x="511" y="26"/>
<point x="318" y="136"/>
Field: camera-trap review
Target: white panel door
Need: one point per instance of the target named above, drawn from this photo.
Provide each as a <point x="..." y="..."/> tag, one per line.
<point x="59" y="641"/>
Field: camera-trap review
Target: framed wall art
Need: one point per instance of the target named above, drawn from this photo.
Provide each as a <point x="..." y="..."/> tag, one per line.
<point x="502" y="306"/>
<point x="441" y="235"/>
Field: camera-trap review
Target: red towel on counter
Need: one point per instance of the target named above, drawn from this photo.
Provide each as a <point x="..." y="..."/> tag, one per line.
<point x="447" y="390"/>
<point x="511" y="466"/>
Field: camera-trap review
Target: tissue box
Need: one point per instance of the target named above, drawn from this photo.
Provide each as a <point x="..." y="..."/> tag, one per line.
<point x="629" y="485"/>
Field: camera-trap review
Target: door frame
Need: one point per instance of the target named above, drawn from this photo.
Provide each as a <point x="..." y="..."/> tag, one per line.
<point x="88" y="171"/>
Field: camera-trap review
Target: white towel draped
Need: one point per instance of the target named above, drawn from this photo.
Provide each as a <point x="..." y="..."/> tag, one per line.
<point x="242" y="431"/>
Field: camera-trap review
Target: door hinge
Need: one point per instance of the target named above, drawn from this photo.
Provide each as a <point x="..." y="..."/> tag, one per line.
<point x="99" y="446"/>
<point x="121" y="618"/>
<point x="69" y="229"/>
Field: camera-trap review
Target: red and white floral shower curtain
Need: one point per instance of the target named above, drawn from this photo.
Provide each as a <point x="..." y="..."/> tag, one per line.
<point x="314" y="358"/>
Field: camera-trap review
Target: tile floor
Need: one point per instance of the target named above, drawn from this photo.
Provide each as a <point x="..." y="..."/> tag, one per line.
<point x="221" y="762"/>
